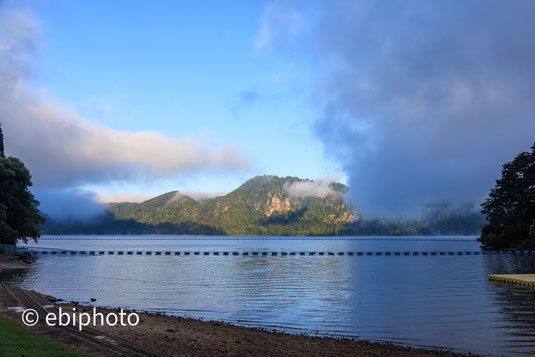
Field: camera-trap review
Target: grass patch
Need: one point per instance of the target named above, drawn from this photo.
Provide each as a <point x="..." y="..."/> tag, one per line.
<point x="16" y="340"/>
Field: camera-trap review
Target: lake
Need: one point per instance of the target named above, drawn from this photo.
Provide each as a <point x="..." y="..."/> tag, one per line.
<point x="425" y="300"/>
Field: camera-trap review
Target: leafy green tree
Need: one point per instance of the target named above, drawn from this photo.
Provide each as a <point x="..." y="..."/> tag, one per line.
<point x="19" y="217"/>
<point x="510" y="208"/>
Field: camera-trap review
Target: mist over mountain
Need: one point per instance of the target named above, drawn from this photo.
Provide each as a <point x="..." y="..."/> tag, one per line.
<point x="417" y="100"/>
<point x="265" y="206"/>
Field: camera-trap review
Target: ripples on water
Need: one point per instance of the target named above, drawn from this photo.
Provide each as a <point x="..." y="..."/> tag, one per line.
<point x="443" y="301"/>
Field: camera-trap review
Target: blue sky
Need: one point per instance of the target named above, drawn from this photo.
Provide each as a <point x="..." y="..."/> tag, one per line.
<point x="180" y="69"/>
<point x="415" y="101"/>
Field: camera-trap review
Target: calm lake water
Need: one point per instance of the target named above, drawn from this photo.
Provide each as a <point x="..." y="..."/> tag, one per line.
<point x="442" y="301"/>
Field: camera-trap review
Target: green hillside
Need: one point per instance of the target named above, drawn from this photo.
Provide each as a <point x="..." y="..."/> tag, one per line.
<point x="264" y="205"/>
<point x="268" y="205"/>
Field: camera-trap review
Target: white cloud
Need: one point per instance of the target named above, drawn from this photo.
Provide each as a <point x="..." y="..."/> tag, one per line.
<point x="197" y="196"/>
<point x="202" y="196"/>
<point x="60" y="147"/>
<point x="424" y="100"/>
<point x="317" y="188"/>
<point x="69" y="204"/>
<point x="122" y="197"/>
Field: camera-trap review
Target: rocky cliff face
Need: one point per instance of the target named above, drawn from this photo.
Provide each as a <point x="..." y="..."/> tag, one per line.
<point x="264" y="205"/>
<point x="277" y="204"/>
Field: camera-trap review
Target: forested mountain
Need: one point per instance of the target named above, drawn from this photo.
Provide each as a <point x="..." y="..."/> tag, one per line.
<point x="267" y="205"/>
<point x="264" y="205"/>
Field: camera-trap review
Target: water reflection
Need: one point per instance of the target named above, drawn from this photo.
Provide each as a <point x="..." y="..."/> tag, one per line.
<point x="515" y="303"/>
<point x="419" y="300"/>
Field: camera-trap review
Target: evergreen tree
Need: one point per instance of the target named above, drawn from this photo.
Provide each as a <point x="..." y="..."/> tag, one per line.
<point x="510" y="208"/>
<point x="19" y="217"/>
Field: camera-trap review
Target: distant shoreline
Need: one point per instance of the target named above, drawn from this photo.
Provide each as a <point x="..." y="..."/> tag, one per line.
<point x="254" y="236"/>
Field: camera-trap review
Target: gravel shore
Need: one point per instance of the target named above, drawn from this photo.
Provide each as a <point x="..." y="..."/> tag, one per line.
<point x="176" y="336"/>
<point x="11" y="261"/>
